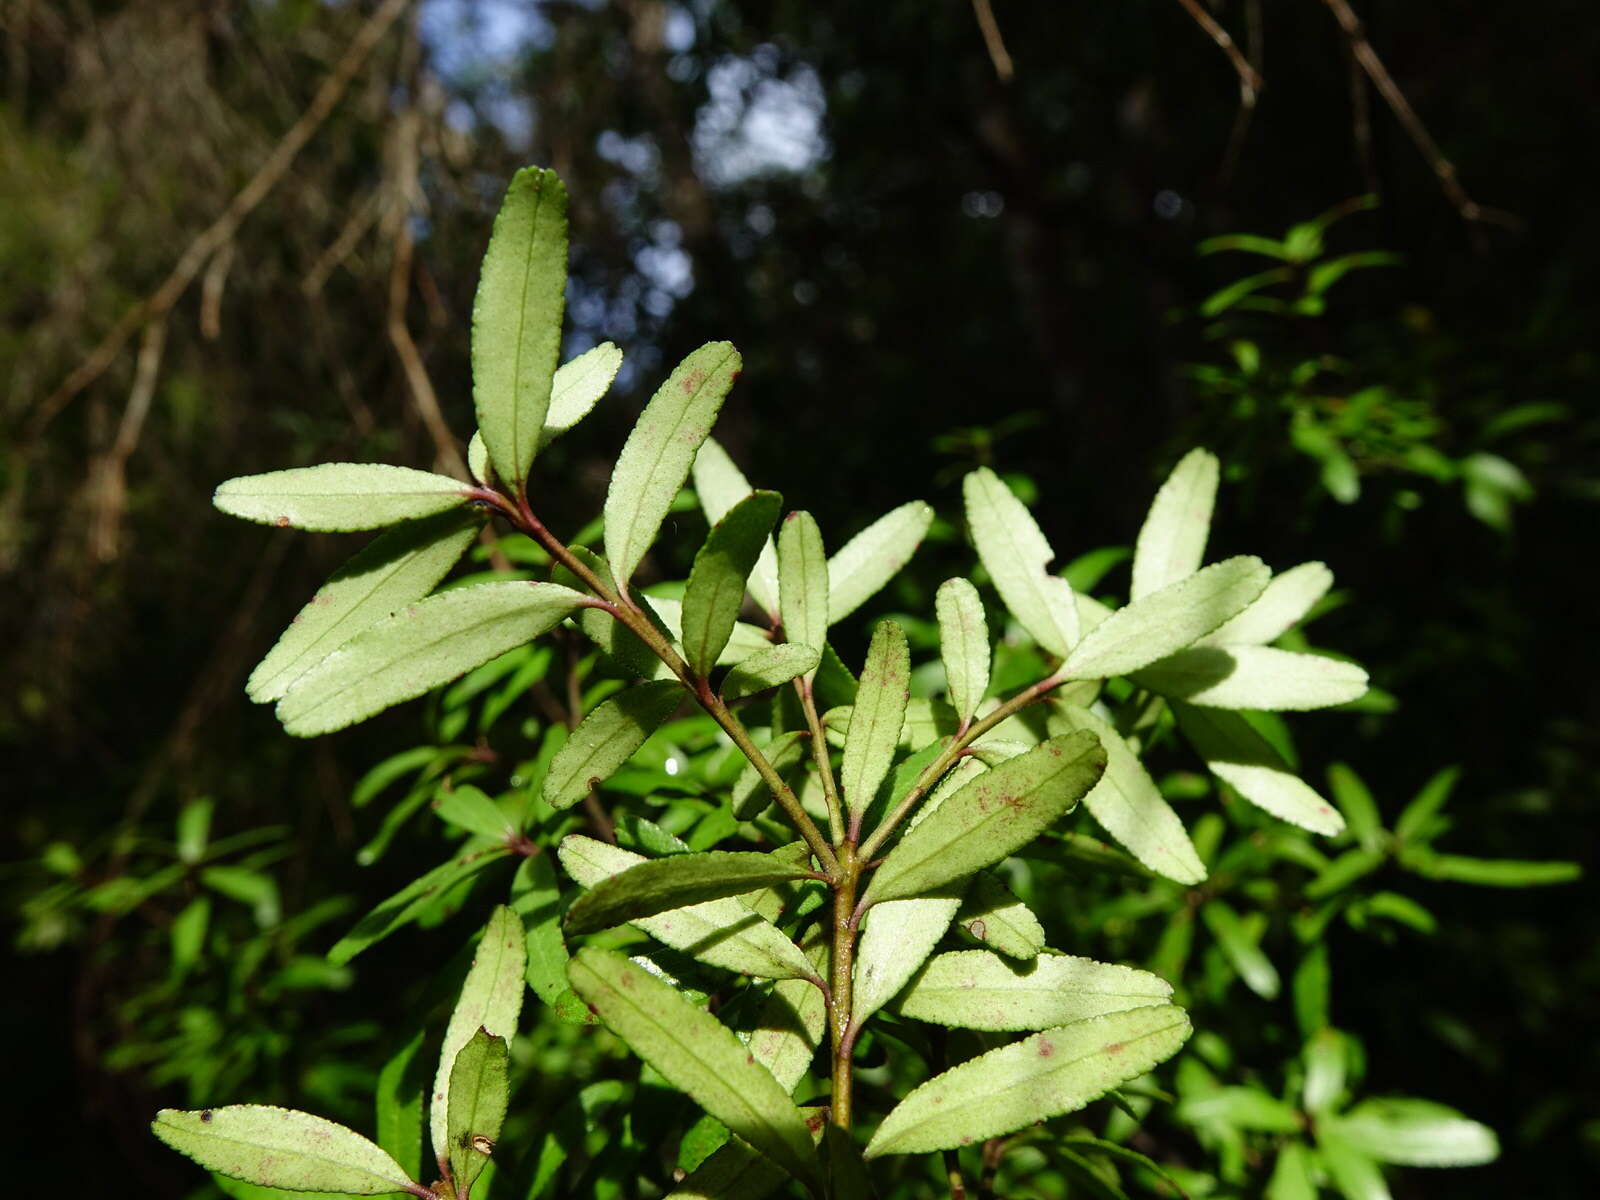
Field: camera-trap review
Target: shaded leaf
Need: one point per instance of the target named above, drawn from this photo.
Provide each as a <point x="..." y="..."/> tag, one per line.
<point x="398" y="1100"/>
<point x="896" y="938"/>
<point x="1415" y="1133"/>
<point x="406" y="904"/>
<point x="873" y="557"/>
<point x="715" y="591"/>
<point x="1254" y="677"/>
<point x="480" y="1088"/>
<point x="536" y="898"/>
<point x="278" y="1147"/>
<point x="469" y="808"/>
<point x="337" y="497"/>
<point x="1172" y="541"/>
<point x="1241" y="949"/>
<point x="1355" y="1175"/>
<point x="608" y="737"/>
<point x="750" y="792"/>
<point x="720" y="485"/>
<point x="1016" y="554"/>
<point x="661" y="884"/>
<point x="974" y="989"/>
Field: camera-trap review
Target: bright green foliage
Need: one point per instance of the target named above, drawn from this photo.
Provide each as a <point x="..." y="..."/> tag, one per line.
<point x="720" y="485"/>
<point x="479" y="1091"/>
<point x="973" y="989"/>
<point x="873" y="557"/>
<point x="399" y="1104"/>
<point x="875" y="722"/>
<point x="1237" y="753"/>
<point x="1172" y="542"/>
<point x="768" y="668"/>
<point x="1415" y="1133"/>
<point x="1015" y="553"/>
<point x="662" y="884"/>
<point x="577" y="387"/>
<point x="803" y="580"/>
<point x="335" y="497"/>
<point x="607" y="738"/>
<point x="697" y="1054"/>
<point x="993" y="916"/>
<point x="516" y="320"/>
<point x="1254" y="677"/>
<point x="277" y="1147"/>
<point x="715" y="592"/>
<point x="1283" y="604"/>
<point x="963" y="645"/>
<point x="896" y="938"/>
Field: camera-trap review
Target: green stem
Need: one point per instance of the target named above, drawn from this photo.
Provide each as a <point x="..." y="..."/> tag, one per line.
<point x="840" y="1001"/>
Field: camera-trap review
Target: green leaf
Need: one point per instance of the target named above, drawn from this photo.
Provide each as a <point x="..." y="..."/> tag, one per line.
<point x="1241" y="949"/>
<point x="750" y="793"/>
<point x="419" y="647"/>
<point x="1415" y="1133"/>
<point x="1054" y="1072"/>
<point x="725" y="933"/>
<point x="802" y="580"/>
<point x="480" y="1088"/>
<point x="1291" y="1177"/>
<point x="1325" y="1061"/>
<point x="1356" y="803"/>
<point x="715" y="591"/>
<point x="1492" y="872"/>
<point x="720" y="485"/>
<point x="188" y="935"/>
<point x="1355" y="1175"/>
<point x="790" y="1024"/>
<point x="1164" y="622"/>
<point x="995" y="917"/>
<point x="254" y="888"/>
<point x="974" y="989"/>
<point x="1343" y="871"/>
<point x="1285" y="601"/>
<point x="1241" y="1108"/>
<point x="1016" y="555"/>
<point x="1419" y="813"/>
<point x="536" y="898"/>
<point x="478" y="460"/>
<point x="278" y="1147"/>
<point x="963" y="645"/>
<point x="880" y="711"/>
<point x="747" y="640"/>
<point x="408" y="902"/>
<point x="1312" y="990"/>
<point x="1237" y="754"/>
<point x="768" y="669"/>
<point x="616" y="640"/>
<point x="661" y="884"/>
<point x="995" y="814"/>
<point x="490" y="1000"/>
<point x="1128" y="804"/>
<point x="1172" y="541"/>
<point x="1254" y="677"/>
<point x="469" y="808"/>
<point x="398" y="1100"/>
<point x="608" y="737"/>
<point x="846" y="1171"/>
<point x="656" y="459"/>
<point x="734" y="1172"/>
<point x="896" y="938"/>
<point x="873" y="557"/>
<point x="397" y="568"/>
<point x="696" y="1054"/>
<point x="516" y="320"/>
<point x="577" y="388"/>
<point x="241" y="1190"/>
<point x="337" y="497"/>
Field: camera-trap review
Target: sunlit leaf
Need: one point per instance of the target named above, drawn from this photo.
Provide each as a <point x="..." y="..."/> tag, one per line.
<point x="1285" y="601"/>
<point x="1016" y="555"/>
<point x="1291" y="1176"/>
<point x="1254" y="677"/>
<point x="715" y="591"/>
<point x="336" y="497"/>
<point x="278" y="1147"/>
<point x="480" y="1088"/>
<point x="1415" y="1133"/>
<point x="963" y="645"/>
<point x="789" y="1026"/>
<point x="608" y="737"/>
<point x="661" y="884"/>
<point x="469" y="808"/>
<point x="770" y="667"/>
<point x="873" y="557"/>
<point x="657" y="456"/>
<point x="1237" y="754"/>
<point x="1172" y="541"/>
<point x="720" y="485"/>
<point x="974" y="989"/>
<point x="802" y="580"/>
<point x="1241" y="1108"/>
<point x="1355" y="1175"/>
<point x="896" y="938"/>
<point x="876" y="719"/>
<point x="992" y="915"/>
<point x="577" y="388"/>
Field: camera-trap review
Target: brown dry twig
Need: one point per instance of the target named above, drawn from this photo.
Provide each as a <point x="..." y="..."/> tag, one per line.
<point x="993" y="42"/>
<point x="1250" y="80"/>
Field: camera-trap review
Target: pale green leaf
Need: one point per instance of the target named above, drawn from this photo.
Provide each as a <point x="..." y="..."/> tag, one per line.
<point x="1415" y="1133"/>
<point x="696" y="1054"/>
<point x="873" y="557"/>
<point x="775" y="665"/>
<point x="974" y="989"/>
<point x="1237" y="754"/>
<point x="747" y="640"/>
<point x="398" y="567"/>
<point x="1165" y="621"/>
<point x="281" y="1148"/>
<point x="725" y="933"/>
<point x="398" y="1100"/>
<point x="802" y="580"/>
<point x="419" y="647"/>
<point x="1291" y="1177"/>
<point x="516" y="320"/>
<point x="1016" y="554"/>
<point x="1241" y="949"/>
<point x="480" y="1088"/>
<point x="992" y="915"/>
<point x="478" y="460"/>
<point x="896" y="938"/>
<point x="997" y="813"/>
<point x="963" y="645"/>
<point x="1128" y="804"/>
<point x="715" y="591"/>
<point x="1239" y="1108"/>
<point x="490" y="1000"/>
<point x="470" y="809"/>
<point x="336" y="497"/>
<point x="656" y="459"/>
<point x="661" y="884"/>
<point x="876" y="719"/>
<point x="1255" y="677"/>
<point x="750" y="793"/>
<point x="577" y="388"/>
<point x="790" y="1023"/>
<point x="608" y="737"/>
<point x="1355" y="1175"/>
<point x="616" y="640"/>
<point x="1172" y="541"/>
<point x="1277" y="610"/>
<point x="720" y="485"/>
<point x="1054" y="1072"/>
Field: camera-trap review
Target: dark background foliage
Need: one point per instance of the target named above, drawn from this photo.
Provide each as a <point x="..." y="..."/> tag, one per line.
<point x="926" y="266"/>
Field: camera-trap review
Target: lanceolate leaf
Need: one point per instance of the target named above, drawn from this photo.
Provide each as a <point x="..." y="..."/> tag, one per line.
<point x="1166" y="621"/>
<point x="491" y="1000"/>
<point x="577" y="388"/>
<point x="398" y="567"/>
<point x="1238" y="755"/>
<point x="1415" y="1133"/>
<point x="789" y="1026"/>
<point x="1241" y="949"/>
<point x="1129" y="806"/>
<point x="479" y="1091"/>
<point x="336" y="497"/>
<point x="536" y="898"/>
<point x="750" y="792"/>
<point x="616" y="640"/>
<point x="896" y="938"/>
<point x="608" y="737"/>
<point x="1254" y="677"/>
<point x="880" y="711"/>
<point x="735" y="1172"/>
<point x="715" y="591"/>
<point x="973" y="989"/>
<point x="992" y="915"/>
<point x="963" y="645"/>
<point x="419" y="647"/>
<point x="725" y="933"/>
<point x="1015" y="554"/>
<point x="401" y="1086"/>
<point x="409" y="901"/>
<point x="995" y="814"/>
<point x="1172" y="541"/>
<point x="1054" y="1072"/>
<point x="720" y="485"/>
<point x="873" y="557"/>
<point x="661" y="884"/>
<point x="769" y="668"/>
<point x="278" y="1147"/>
<point x="696" y="1054"/>
<point x="656" y="459"/>
<point x="747" y="640"/>
<point x="478" y="460"/>
<point x="1277" y="610"/>
<point x="516" y="320"/>
<point x="803" y="580"/>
